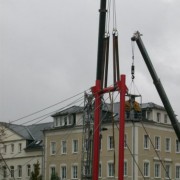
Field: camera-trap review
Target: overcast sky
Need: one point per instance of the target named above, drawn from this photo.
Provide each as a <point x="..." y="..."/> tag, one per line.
<point x="48" y="50"/>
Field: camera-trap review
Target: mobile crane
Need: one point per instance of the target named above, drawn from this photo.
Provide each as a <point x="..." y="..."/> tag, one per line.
<point x="100" y="88"/>
<point x="159" y="87"/>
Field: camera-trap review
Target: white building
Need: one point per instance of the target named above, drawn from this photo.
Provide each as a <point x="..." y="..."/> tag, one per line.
<point x="20" y="148"/>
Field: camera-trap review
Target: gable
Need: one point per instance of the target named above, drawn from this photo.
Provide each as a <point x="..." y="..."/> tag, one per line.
<point x="7" y="134"/>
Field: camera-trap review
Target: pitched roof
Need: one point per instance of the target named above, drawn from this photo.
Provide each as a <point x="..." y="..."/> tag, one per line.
<point x="36" y="129"/>
<point x="18" y="129"/>
<point x="30" y="132"/>
<point x="152" y="105"/>
<point x="70" y="110"/>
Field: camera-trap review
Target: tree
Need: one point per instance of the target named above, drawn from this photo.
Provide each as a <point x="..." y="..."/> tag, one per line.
<point x="2" y="136"/>
<point x="35" y="175"/>
<point x="54" y="176"/>
<point x="2" y="133"/>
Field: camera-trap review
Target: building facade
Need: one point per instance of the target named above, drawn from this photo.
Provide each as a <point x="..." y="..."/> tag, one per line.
<point x="63" y="144"/>
<point x="152" y="150"/>
<point x="20" y="148"/>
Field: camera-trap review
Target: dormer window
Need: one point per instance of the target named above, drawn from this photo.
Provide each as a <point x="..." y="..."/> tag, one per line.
<point x="65" y="120"/>
<point x="61" y="121"/>
<point x="148" y="115"/>
<point x="71" y="119"/>
<point x="158" y="117"/>
<point x="56" y="121"/>
<point x="165" y="118"/>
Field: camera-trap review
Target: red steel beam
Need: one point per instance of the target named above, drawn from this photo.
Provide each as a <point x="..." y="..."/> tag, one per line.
<point x="96" y="140"/>
<point x="122" y="90"/>
<point x="97" y="91"/>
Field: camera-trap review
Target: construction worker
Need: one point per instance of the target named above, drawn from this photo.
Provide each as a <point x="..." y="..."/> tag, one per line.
<point x="132" y="105"/>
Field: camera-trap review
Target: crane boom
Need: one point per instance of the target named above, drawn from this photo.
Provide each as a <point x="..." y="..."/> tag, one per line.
<point x="159" y="87"/>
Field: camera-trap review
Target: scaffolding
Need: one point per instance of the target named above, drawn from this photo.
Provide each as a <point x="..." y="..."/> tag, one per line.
<point x="87" y="140"/>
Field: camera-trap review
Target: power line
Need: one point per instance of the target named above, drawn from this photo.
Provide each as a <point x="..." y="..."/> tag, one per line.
<point x="42" y="119"/>
<point x="95" y="129"/>
<point x="45" y="116"/>
<point x="6" y="164"/>
<point x="46" y="108"/>
<point x="133" y="157"/>
<point x="66" y="136"/>
<point x="48" y="114"/>
<point x="155" y="150"/>
<point x="33" y="158"/>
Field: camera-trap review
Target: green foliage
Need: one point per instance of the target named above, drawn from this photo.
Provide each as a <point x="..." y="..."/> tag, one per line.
<point x="2" y="133"/>
<point x="35" y="175"/>
<point x="54" y="176"/>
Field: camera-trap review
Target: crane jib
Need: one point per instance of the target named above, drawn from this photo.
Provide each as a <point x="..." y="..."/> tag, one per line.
<point x="157" y="83"/>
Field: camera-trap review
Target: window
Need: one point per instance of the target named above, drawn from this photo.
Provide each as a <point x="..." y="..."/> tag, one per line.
<point x="148" y="115"/>
<point x="110" y="142"/>
<point x="167" y="144"/>
<point x="53" y="148"/>
<point x="53" y="170"/>
<point x="63" y="172"/>
<point x="100" y="170"/>
<point x="71" y="119"/>
<point x="165" y="118"/>
<point x="19" y="171"/>
<point x="4" y="172"/>
<point x="110" y="169"/>
<point x="178" y="172"/>
<point x="87" y="170"/>
<point x="61" y="121"/>
<point x="12" y="148"/>
<point x="158" y="117"/>
<point x="177" y="146"/>
<point x="75" y="146"/>
<point x="125" y="140"/>
<point x="20" y="147"/>
<point x="56" y="121"/>
<point x="168" y="171"/>
<point x="65" y="120"/>
<point x="157" y="143"/>
<point x="125" y="168"/>
<point x="146" y="141"/>
<point x="74" y="171"/>
<point x="28" y="170"/>
<point x="146" y="169"/>
<point x="12" y="171"/>
<point x="157" y="170"/>
<point x="63" y="147"/>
